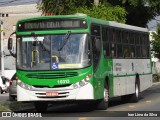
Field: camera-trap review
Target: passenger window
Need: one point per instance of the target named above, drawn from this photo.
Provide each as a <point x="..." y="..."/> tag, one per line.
<point x="144" y="51"/>
<point x="137" y="39"/>
<point x="138" y="51"/>
<point x="106" y="48"/>
<point x="119" y="51"/>
<point x="113" y="49"/>
<point x="132" y="38"/>
<point x="132" y="51"/>
<point x="118" y="36"/>
<point x="114" y="36"/>
<point x="126" y="52"/>
<point x="105" y="33"/>
<point x="125" y="37"/>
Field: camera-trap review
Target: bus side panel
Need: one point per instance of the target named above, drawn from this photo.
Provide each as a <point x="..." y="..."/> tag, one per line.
<point x="124" y="85"/>
<point x="146" y="80"/>
<point x="104" y="70"/>
<point x="125" y="70"/>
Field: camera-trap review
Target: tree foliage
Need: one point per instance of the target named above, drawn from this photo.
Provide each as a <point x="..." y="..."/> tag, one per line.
<point x="62" y="7"/>
<point x="139" y="12"/>
<point x="66" y="7"/>
<point x="156" y="42"/>
<point x="114" y="13"/>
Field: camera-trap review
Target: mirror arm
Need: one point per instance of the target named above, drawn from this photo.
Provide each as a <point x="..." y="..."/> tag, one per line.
<point x="12" y="34"/>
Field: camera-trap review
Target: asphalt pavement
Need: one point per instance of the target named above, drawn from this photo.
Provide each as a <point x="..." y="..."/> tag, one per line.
<point x="149" y="104"/>
<point x="4" y="97"/>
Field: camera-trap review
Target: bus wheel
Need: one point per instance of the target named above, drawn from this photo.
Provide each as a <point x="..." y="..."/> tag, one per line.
<point x="41" y="106"/>
<point x="135" y="96"/>
<point x="103" y="103"/>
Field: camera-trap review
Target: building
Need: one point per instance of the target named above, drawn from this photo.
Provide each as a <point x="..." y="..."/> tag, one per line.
<point x="15" y="12"/>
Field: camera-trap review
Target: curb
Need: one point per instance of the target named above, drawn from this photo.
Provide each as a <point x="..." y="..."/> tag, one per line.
<point x="156" y="83"/>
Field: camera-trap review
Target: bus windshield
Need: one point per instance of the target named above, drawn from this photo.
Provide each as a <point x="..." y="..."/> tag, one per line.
<point x="53" y="52"/>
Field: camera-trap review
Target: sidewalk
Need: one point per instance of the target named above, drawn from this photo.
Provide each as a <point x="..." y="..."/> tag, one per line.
<point x="156" y="83"/>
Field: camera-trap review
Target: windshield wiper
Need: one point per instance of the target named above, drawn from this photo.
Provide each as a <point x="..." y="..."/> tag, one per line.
<point x="66" y="40"/>
<point x="36" y="39"/>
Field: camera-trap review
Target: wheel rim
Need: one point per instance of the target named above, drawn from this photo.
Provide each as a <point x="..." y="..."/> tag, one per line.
<point x="137" y="91"/>
<point x="106" y="95"/>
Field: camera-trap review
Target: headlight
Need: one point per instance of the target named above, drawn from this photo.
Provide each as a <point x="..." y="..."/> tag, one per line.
<point x="24" y="85"/>
<point x="82" y="82"/>
<point x="87" y="78"/>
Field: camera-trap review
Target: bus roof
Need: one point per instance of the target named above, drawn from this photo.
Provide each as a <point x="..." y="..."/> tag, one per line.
<point x="48" y="17"/>
<point x="98" y="21"/>
<point x="119" y="25"/>
<point x="125" y="26"/>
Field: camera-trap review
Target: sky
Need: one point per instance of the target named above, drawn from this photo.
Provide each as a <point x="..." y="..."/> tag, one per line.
<point x="153" y="23"/>
<point x="16" y="2"/>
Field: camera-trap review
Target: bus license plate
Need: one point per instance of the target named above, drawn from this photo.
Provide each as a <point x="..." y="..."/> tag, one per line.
<point x="51" y="93"/>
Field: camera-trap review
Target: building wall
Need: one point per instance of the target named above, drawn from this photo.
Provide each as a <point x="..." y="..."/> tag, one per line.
<point x="15" y="13"/>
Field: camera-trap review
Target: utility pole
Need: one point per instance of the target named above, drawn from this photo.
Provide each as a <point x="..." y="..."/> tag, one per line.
<point x="96" y="2"/>
<point x="1" y="43"/>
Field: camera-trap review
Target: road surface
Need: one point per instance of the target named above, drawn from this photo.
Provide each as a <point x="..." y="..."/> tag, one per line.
<point x="149" y="104"/>
<point x="4" y="98"/>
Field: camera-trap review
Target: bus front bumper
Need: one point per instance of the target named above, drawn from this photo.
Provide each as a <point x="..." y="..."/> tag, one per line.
<point x="82" y="93"/>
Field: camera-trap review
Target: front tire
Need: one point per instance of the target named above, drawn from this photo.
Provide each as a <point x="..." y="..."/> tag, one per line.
<point x="103" y="103"/>
<point x="41" y="106"/>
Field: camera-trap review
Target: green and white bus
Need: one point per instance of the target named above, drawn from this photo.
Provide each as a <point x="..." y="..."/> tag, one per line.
<point x="79" y="58"/>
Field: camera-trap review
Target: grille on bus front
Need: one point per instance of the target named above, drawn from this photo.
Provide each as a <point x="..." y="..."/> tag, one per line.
<point x="52" y="75"/>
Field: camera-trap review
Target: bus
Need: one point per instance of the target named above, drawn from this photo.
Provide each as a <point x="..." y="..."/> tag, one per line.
<point x="77" y="58"/>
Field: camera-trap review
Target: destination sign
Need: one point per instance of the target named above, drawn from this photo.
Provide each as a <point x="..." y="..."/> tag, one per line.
<point x="48" y="24"/>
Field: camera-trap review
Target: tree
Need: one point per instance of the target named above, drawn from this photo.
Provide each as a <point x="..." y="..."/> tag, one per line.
<point x="104" y="12"/>
<point x="90" y="7"/>
<point x="139" y="12"/>
<point x="62" y="7"/>
<point x="156" y="42"/>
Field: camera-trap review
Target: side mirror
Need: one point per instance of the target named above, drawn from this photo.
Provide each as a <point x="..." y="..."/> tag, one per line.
<point x="10" y="43"/>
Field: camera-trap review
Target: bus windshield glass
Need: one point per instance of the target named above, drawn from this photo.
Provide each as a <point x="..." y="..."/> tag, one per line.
<point x="43" y="52"/>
